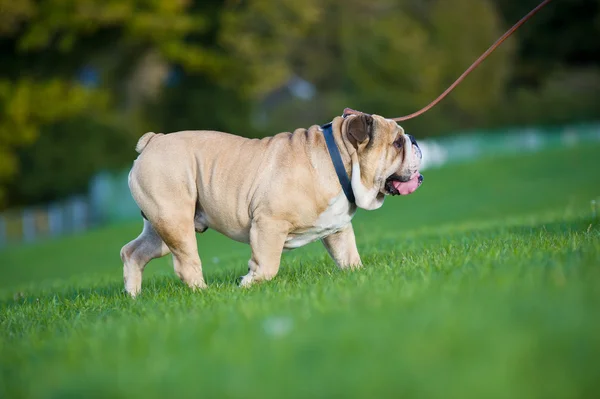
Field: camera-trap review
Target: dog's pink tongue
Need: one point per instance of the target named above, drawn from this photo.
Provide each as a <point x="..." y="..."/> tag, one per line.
<point x="407" y="187"/>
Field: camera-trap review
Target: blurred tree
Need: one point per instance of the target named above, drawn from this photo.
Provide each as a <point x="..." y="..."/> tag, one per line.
<point x="45" y="46"/>
<point x="394" y="56"/>
<point x="463" y="30"/>
<point x="563" y="35"/>
<point x="388" y="56"/>
<point x="556" y="74"/>
<point x="263" y="37"/>
<point x="80" y="80"/>
<point x="198" y="103"/>
<point x="25" y="105"/>
<point x="66" y="156"/>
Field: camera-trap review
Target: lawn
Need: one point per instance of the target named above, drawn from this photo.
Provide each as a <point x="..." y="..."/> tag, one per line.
<point x="485" y="283"/>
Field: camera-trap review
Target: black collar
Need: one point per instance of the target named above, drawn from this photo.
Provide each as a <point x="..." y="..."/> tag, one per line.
<point x="338" y="164"/>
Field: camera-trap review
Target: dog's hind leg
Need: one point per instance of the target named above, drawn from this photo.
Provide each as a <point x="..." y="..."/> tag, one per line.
<point x="136" y="255"/>
<point x="178" y="232"/>
<point x="165" y="190"/>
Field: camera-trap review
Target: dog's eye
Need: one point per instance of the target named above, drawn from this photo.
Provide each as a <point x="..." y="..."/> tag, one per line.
<point x="399" y="143"/>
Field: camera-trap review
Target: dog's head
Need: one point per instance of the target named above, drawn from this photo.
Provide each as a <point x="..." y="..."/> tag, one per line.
<point x="386" y="159"/>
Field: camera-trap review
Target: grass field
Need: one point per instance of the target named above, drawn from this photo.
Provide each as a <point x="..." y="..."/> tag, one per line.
<point x="485" y="283"/>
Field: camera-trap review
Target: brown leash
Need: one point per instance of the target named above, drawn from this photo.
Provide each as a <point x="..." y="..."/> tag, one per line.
<point x="349" y="111"/>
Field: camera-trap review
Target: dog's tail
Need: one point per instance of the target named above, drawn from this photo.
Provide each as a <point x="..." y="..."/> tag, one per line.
<point x="144" y="140"/>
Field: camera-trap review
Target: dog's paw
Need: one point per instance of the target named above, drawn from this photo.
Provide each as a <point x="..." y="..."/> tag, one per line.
<point x="131" y="294"/>
<point x="247" y="280"/>
<point x="351" y="266"/>
<point x="197" y="285"/>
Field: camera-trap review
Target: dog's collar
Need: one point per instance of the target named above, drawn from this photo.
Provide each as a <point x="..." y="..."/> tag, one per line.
<point x="338" y="164"/>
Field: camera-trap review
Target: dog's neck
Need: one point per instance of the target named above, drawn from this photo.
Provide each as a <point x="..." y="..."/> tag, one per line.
<point x="364" y="197"/>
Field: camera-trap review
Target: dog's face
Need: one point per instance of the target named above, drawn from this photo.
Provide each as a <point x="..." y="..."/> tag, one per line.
<point x="389" y="159"/>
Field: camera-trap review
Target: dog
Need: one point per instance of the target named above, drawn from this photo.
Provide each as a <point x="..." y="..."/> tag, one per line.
<point x="275" y="193"/>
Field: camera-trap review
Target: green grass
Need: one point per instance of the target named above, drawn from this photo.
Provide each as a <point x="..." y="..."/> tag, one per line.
<point x="483" y="284"/>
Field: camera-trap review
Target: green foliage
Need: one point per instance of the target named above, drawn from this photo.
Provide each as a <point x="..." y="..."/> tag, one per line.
<point x="388" y="58"/>
<point x="86" y="143"/>
<point x="262" y="37"/>
<point x="49" y="42"/>
<point x="563" y="35"/>
<point x="463" y="29"/>
<point x="200" y="102"/>
<point x="490" y="292"/>
<point x="571" y="95"/>
<point x="25" y="105"/>
<point x="64" y="23"/>
<point x="235" y="59"/>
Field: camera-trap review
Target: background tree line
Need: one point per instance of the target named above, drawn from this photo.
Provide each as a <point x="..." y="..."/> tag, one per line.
<point x="81" y="80"/>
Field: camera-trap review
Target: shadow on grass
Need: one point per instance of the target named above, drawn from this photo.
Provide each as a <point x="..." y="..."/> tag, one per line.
<point x="61" y="294"/>
<point x="294" y="270"/>
<point x="153" y="288"/>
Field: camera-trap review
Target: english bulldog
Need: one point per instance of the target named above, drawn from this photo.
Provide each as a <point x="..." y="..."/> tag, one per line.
<point x="275" y="193"/>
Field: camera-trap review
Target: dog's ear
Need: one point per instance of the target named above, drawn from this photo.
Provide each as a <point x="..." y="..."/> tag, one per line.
<point x="350" y="111"/>
<point x="360" y="129"/>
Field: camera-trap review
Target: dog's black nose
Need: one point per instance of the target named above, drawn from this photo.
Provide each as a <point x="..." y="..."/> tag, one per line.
<point x="412" y="139"/>
<point x="421" y="179"/>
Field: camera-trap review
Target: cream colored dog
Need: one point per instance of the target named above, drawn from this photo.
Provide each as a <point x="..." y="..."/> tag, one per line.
<point x="276" y="193"/>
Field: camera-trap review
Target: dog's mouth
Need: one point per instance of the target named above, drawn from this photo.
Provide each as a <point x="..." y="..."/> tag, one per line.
<point x="395" y="185"/>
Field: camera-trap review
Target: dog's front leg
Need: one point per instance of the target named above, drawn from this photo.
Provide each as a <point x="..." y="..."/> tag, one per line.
<point x="267" y="238"/>
<point x="342" y="248"/>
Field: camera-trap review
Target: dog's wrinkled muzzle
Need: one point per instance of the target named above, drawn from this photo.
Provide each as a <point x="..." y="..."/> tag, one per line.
<point x="398" y="186"/>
